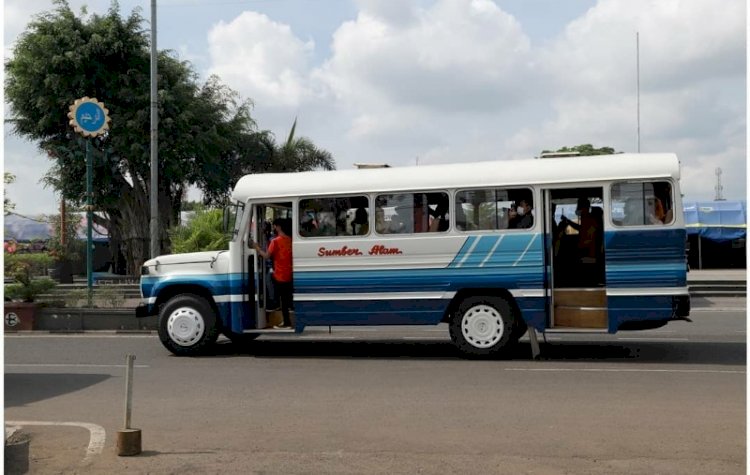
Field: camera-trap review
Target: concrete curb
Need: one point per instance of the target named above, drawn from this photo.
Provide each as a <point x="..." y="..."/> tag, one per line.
<point x="16" y="457"/>
<point x="84" y="319"/>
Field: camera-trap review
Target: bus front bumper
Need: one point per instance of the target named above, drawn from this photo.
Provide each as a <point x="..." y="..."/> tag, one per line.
<point x="145" y="310"/>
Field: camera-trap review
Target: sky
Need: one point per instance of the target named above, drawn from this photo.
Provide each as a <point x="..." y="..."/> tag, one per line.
<point x="409" y="82"/>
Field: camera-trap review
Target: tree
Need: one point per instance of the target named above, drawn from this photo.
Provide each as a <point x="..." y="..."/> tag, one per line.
<point x="204" y="232"/>
<point x="205" y="132"/>
<point x="294" y="155"/>
<point x="191" y="205"/>
<point x="585" y="150"/>
<point x="8" y="205"/>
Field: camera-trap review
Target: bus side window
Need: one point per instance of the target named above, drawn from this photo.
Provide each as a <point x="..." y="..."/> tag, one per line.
<point x="643" y="204"/>
<point x="326" y="217"/>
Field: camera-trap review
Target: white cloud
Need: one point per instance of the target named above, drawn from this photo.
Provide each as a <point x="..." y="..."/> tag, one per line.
<point x="462" y="80"/>
<point x="23" y="160"/>
<point x="261" y="58"/>
<point x="681" y="42"/>
<point x="455" y="80"/>
<point x="453" y="56"/>
<point x="692" y="78"/>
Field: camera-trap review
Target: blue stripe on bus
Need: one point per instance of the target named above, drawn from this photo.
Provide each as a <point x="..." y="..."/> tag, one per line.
<point x="398" y="312"/>
<point x="635" y="259"/>
<point x="495" y="250"/>
<point x="219" y="284"/>
<point x="462" y="252"/>
<point x="418" y="280"/>
<point x="645" y="258"/>
<point x="370" y="312"/>
<point x="622" y="309"/>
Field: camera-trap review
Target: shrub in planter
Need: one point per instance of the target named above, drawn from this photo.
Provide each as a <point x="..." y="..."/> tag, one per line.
<point x="26" y="270"/>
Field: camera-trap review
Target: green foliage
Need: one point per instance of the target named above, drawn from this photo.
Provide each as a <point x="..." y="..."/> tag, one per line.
<point x="111" y="297"/>
<point x="191" y="205"/>
<point x="24" y="268"/>
<point x="205" y="130"/>
<point x="202" y="233"/>
<point x="35" y="264"/>
<point x="206" y="134"/>
<point x="76" y="298"/>
<point x="73" y="247"/>
<point x="8" y="205"/>
<point x="294" y="155"/>
<point x="585" y="150"/>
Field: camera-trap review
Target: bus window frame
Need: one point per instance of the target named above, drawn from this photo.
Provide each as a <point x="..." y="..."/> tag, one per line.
<point x="451" y="222"/>
<point x="534" y="197"/>
<point x="671" y="223"/>
<point x="299" y="211"/>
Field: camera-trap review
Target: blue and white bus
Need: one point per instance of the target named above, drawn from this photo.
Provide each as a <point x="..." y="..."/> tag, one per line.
<point x="584" y="244"/>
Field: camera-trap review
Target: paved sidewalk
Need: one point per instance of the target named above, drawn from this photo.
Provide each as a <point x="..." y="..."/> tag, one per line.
<point x="739" y="275"/>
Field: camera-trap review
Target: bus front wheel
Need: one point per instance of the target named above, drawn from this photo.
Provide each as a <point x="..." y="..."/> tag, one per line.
<point x="187" y="325"/>
<point x="482" y="325"/>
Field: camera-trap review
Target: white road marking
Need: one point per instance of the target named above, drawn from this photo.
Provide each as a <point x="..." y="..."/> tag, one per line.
<point x="62" y="365"/>
<point x="96" y="441"/>
<point x="614" y="370"/>
<point x="654" y="339"/>
<point x="322" y="337"/>
<point x="720" y="309"/>
<point x="445" y="338"/>
<point x="88" y="334"/>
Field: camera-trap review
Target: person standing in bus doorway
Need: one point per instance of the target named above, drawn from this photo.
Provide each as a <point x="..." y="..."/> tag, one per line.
<point x="280" y="251"/>
<point x="587" y="234"/>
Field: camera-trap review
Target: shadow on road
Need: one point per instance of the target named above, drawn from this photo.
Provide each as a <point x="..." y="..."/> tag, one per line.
<point x="22" y="389"/>
<point x="707" y="353"/>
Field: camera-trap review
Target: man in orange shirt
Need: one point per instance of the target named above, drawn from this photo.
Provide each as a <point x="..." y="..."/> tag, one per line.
<point x="280" y="250"/>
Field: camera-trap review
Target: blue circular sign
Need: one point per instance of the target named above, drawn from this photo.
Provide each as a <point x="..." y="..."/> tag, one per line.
<point x="90" y="116"/>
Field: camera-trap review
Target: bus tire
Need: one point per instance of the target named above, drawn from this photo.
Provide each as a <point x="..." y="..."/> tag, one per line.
<point x="483" y="325"/>
<point x="187" y="325"/>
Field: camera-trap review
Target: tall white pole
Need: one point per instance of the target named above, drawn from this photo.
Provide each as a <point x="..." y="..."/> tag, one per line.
<point x="638" y="87"/>
<point x="154" y="141"/>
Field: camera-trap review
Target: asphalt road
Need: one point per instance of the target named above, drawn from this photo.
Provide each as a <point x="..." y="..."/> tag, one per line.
<point x="391" y="400"/>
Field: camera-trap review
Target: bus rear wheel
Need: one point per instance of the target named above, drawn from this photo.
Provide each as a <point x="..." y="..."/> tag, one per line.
<point x="482" y="325"/>
<point x="187" y="325"/>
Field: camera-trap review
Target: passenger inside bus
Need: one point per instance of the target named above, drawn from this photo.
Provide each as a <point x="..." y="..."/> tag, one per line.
<point x="584" y="270"/>
<point x="439" y="219"/>
<point x="524" y="218"/>
<point x="360" y="224"/>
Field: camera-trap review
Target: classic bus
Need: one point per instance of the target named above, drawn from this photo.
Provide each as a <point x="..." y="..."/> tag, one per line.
<point x="584" y="244"/>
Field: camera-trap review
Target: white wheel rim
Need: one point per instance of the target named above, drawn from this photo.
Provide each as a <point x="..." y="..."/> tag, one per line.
<point x="185" y="326"/>
<point x="482" y="326"/>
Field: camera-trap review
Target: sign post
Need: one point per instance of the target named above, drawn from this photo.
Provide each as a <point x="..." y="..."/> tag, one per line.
<point x="91" y="119"/>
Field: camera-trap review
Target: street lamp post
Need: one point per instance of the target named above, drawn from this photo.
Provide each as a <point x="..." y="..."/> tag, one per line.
<point x="154" y="230"/>
<point x="89" y="217"/>
<point x="89" y="118"/>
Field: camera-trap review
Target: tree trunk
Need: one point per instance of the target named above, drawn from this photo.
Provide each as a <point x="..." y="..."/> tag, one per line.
<point x="132" y="219"/>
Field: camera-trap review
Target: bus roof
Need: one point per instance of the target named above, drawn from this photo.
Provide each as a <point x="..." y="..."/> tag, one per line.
<point x="625" y="166"/>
